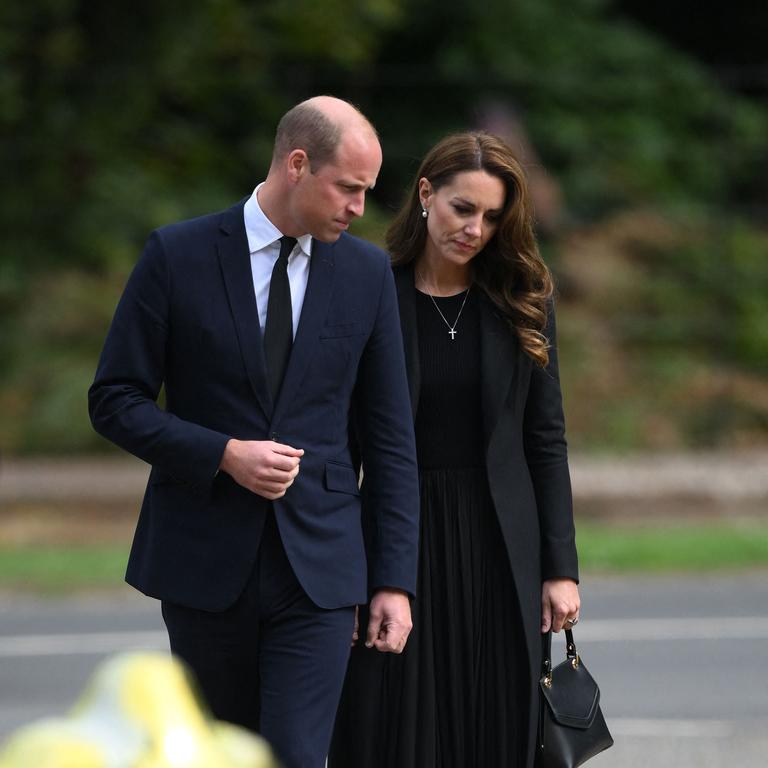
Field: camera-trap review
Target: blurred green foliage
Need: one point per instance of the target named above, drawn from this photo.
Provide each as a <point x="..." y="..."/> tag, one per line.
<point x="700" y="295"/>
<point x="118" y="117"/>
<point x="664" y="332"/>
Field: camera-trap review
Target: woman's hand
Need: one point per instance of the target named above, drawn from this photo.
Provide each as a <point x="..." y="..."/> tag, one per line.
<point x="560" y="604"/>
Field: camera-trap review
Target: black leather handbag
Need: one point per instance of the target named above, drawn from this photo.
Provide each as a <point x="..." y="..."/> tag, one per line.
<point x="571" y="726"/>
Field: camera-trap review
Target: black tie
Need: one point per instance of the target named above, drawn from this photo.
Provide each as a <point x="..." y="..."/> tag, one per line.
<point x="278" y="335"/>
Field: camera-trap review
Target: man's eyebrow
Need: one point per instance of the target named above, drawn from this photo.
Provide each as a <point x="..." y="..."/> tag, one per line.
<point x="355" y="184"/>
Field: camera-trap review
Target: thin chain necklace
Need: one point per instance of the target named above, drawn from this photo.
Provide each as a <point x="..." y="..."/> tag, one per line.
<point x="451" y="328"/>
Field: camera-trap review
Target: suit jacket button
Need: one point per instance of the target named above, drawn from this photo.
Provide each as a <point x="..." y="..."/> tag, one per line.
<point x="273" y="436"/>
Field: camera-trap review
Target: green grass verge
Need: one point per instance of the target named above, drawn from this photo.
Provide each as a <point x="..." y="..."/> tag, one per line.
<point x="694" y="547"/>
<point x="51" y="569"/>
<point x="678" y="547"/>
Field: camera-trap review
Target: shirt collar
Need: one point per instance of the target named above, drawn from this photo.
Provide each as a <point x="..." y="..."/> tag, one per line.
<point x="261" y="231"/>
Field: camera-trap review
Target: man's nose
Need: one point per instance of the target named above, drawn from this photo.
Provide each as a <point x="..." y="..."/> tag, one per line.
<point x="356" y="205"/>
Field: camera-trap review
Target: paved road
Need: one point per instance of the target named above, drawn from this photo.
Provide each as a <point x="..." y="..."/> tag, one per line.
<point x="683" y="669"/>
<point x="682" y="663"/>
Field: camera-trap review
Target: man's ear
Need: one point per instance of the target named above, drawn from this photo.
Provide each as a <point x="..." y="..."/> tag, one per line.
<point x="297" y="165"/>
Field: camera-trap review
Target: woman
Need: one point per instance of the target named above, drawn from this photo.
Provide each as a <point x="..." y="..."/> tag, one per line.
<point x="497" y="559"/>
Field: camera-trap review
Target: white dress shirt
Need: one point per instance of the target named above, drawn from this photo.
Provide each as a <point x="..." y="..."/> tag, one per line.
<point x="264" y="246"/>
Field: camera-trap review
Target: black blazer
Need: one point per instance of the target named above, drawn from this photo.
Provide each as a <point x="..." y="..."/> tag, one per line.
<point x="188" y="321"/>
<point x="526" y="457"/>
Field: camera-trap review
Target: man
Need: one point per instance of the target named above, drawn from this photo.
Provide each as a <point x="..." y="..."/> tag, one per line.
<point x="268" y="324"/>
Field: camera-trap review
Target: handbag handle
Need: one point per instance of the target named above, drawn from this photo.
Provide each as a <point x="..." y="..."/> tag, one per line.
<point x="546" y="655"/>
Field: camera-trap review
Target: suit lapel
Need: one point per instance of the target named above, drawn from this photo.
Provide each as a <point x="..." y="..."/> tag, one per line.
<point x="313" y="313"/>
<point x="238" y="279"/>
<point x="499" y="349"/>
<point x="406" y="297"/>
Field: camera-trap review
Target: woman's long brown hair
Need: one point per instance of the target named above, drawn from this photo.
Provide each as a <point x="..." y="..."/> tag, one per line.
<point x="509" y="269"/>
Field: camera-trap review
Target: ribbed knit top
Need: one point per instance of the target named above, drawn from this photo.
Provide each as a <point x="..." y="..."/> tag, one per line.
<point x="449" y="425"/>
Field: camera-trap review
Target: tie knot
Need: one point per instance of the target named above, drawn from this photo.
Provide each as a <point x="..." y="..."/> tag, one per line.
<point x="286" y="246"/>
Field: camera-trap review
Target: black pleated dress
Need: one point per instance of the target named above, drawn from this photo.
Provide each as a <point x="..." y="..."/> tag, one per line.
<point x="457" y="696"/>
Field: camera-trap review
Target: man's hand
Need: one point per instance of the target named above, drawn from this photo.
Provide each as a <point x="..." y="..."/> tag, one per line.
<point x="559" y="602"/>
<point x="389" y="621"/>
<point x="262" y="466"/>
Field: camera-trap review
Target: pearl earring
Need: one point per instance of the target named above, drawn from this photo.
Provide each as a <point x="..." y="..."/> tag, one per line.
<point x="424" y="213"/>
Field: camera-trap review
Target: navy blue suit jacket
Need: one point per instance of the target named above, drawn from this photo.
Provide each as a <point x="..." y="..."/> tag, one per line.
<point x="188" y="321"/>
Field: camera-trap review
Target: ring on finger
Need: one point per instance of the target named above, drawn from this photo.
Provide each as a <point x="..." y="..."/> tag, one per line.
<point x="573" y="622"/>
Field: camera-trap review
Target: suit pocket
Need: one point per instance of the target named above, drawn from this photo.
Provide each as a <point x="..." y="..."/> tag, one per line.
<point x="341" y="477"/>
<point x="341" y="330"/>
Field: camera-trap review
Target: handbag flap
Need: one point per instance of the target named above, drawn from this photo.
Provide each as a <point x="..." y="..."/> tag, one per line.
<point x="572" y="696"/>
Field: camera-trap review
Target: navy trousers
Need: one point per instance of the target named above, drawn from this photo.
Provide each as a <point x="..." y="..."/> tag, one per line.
<point x="273" y="662"/>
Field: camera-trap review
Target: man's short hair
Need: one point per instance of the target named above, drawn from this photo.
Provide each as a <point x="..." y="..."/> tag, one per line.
<point x="306" y="127"/>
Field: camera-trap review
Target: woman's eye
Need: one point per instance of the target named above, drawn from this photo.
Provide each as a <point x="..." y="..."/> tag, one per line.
<point x="462" y="209"/>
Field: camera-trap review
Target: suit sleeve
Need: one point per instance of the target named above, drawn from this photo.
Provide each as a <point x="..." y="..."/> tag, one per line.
<point x="122" y="400"/>
<point x="547" y="457"/>
<point x="384" y="431"/>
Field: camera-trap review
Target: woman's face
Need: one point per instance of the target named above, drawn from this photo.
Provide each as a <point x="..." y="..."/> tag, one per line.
<point x="463" y="214"/>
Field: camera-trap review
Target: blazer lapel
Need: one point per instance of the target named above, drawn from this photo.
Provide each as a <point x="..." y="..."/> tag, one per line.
<point x="406" y="297"/>
<point x="234" y="257"/>
<point x="499" y="349"/>
<point x="313" y="313"/>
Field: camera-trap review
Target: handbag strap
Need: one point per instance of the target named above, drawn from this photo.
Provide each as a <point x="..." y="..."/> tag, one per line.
<point x="546" y="652"/>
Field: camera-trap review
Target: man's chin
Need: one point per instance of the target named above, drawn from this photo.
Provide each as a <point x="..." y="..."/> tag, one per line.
<point x="328" y="237"/>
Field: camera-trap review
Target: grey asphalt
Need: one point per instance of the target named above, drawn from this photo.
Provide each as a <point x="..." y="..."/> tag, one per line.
<point x="696" y="700"/>
<point x="682" y="662"/>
